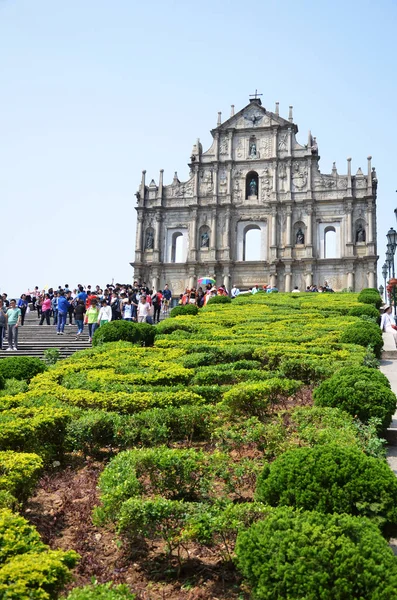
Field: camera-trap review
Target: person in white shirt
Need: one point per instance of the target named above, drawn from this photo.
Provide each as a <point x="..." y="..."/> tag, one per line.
<point x="235" y="291"/>
<point x="105" y="313"/>
<point x="144" y="309"/>
<point x="387" y="322"/>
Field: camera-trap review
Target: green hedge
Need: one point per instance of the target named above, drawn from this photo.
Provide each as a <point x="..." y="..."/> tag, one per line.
<point x="364" y="309"/>
<point x="332" y="479"/>
<point x="294" y="555"/>
<point x="29" y="570"/>
<point x="219" y="300"/>
<point x="188" y="309"/>
<point x="18" y="476"/>
<point x="364" y="333"/>
<point x="370" y="296"/>
<point x="360" y="391"/>
<point x="21" y="367"/>
<point x="126" y="331"/>
<point x="101" y="591"/>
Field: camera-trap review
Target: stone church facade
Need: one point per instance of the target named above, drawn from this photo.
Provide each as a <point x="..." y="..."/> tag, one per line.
<point x="310" y="227"/>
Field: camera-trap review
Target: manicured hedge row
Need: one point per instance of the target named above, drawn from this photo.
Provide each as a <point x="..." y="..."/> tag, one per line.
<point x="19" y="472"/>
<point x="29" y="570"/>
<point x="21" y="367"/>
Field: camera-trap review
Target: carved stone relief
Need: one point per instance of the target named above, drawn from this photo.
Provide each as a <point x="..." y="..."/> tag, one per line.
<point x="266" y="184"/>
<point x="224" y="146"/>
<point x="206" y="183"/>
<point x="282" y="174"/>
<point x="239" y="148"/>
<point x="265" y="146"/>
<point x="299" y="177"/>
<point x="222" y="181"/>
<point x="283" y="142"/>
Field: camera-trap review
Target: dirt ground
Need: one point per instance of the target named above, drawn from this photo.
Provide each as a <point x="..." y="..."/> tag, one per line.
<point x="61" y="510"/>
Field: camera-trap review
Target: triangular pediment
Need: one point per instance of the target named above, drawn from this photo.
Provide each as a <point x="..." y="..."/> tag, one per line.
<point x="254" y="116"/>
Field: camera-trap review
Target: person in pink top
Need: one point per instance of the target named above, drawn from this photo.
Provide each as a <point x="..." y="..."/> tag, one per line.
<point x="46" y="309"/>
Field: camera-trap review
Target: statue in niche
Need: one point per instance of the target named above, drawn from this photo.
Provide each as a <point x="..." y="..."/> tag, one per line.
<point x="374" y="182"/>
<point x="149" y="241"/>
<point x="253" y="187"/>
<point x="252" y="150"/>
<point x="300" y="236"/>
<point x="360" y="234"/>
<point x="205" y="240"/>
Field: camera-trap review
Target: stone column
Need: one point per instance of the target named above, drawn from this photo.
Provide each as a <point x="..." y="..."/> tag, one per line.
<point x="196" y="182"/>
<point x="371" y="279"/>
<point x="213" y="230"/>
<point x="349" y="176"/>
<point x="230" y="145"/>
<point x="289" y="141"/>
<point x="370" y="223"/>
<point x="350" y="280"/>
<point x="309" y="278"/>
<point x="275" y="141"/>
<point x="138" y="240"/>
<point x="287" y="281"/>
<point x="273" y="239"/>
<point x="309" y="238"/>
<point x="273" y="279"/>
<point x="288" y="176"/>
<point x="160" y="189"/>
<point x="275" y="177"/>
<point x="349" y="224"/>
<point x="193" y="236"/>
<point x="288" y="232"/>
<point x="229" y="182"/>
<point x="226" y="241"/>
<point x="226" y="281"/>
<point x="157" y="233"/>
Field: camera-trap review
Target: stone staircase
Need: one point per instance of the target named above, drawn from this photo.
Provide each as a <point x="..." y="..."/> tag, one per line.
<point x="33" y="339"/>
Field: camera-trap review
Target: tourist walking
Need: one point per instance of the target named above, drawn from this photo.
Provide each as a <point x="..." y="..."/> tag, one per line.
<point x="3" y="322"/>
<point x="79" y="313"/>
<point x="46" y="310"/>
<point x="92" y="318"/>
<point x="63" y="309"/>
<point x="105" y="313"/>
<point x="22" y="304"/>
<point x="387" y="322"/>
<point x="144" y="310"/>
<point x="13" y="322"/>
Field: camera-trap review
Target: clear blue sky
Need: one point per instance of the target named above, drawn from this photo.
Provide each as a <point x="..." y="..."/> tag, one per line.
<point x="94" y="91"/>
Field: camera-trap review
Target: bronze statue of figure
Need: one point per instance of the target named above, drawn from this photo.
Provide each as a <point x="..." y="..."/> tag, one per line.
<point x="360" y="234"/>
<point x="300" y="236"/>
<point x="253" y="188"/>
<point x="205" y="240"/>
<point x="149" y="241"/>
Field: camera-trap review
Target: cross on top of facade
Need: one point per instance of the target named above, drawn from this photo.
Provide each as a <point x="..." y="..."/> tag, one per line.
<point x="256" y="95"/>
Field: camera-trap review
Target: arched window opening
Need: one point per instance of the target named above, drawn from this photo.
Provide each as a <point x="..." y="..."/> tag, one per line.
<point x="252" y="243"/>
<point x="177" y="248"/>
<point x="330" y="243"/>
<point x="251" y="184"/>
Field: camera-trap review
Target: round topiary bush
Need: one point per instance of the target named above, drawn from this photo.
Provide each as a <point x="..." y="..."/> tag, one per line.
<point x="370" y="296"/>
<point x="364" y="309"/>
<point x="363" y="333"/>
<point x="188" y="309"/>
<point x="360" y="391"/>
<point x="309" y="555"/>
<point x="21" y="367"/>
<point x="126" y="331"/>
<point x="219" y="300"/>
<point x="331" y="478"/>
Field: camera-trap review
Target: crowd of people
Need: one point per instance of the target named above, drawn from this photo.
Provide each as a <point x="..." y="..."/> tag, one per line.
<point x="82" y="306"/>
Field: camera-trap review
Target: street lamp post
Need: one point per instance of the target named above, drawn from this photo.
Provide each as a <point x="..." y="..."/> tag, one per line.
<point x="381" y="290"/>
<point x="384" y="274"/>
<point x="391" y="246"/>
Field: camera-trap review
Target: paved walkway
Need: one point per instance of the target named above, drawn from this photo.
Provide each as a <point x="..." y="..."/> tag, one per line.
<point x="389" y="368"/>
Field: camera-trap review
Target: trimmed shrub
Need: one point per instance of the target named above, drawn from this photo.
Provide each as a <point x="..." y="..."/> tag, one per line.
<point x="188" y="309"/>
<point x="332" y="479"/>
<point x="167" y="326"/>
<point x="219" y="300"/>
<point x="21" y="367"/>
<point x="18" y="476"/>
<point x="364" y="309"/>
<point x="360" y="391"/>
<point x="92" y="431"/>
<point x="257" y="399"/>
<point x="101" y="591"/>
<point x="309" y="555"/>
<point x="175" y="474"/>
<point x="370" y="296"/>
<point x="142" y="334"/>
<point x="29" y="570"/>
<point x="309" y="371"/>
<point x="364" y="334"/>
